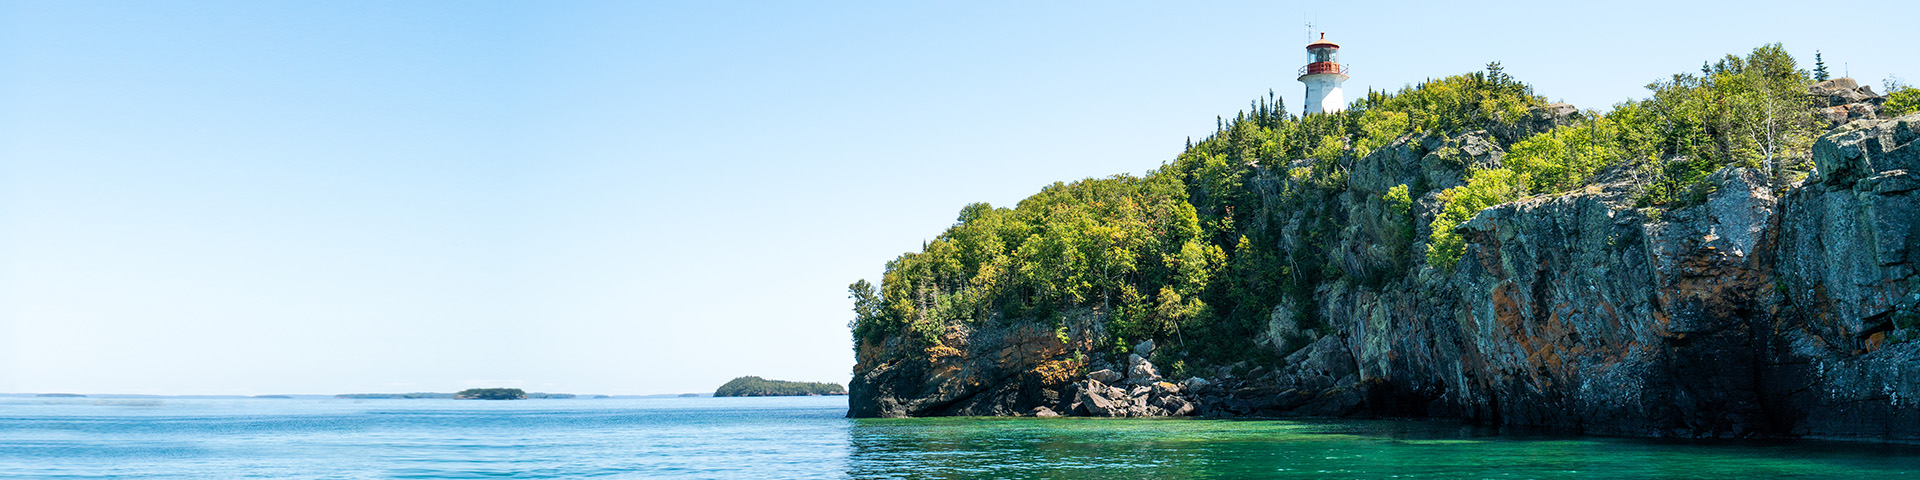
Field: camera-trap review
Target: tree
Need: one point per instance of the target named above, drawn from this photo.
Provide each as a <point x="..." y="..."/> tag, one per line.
<point x="1819" y="67"/>
<point x="1497" y="74"/>
<point x="867" y="309"/>
<point x="1902" y="99"/>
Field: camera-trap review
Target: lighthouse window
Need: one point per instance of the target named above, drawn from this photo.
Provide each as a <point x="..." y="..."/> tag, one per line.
<point x="1323" y="55"/>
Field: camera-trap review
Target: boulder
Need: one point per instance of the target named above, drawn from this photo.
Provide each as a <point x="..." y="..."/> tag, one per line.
<point x="1839" y="114"/>
<point x="1841" y="91"/>
<point x="1044" y="412"/>
<point x="1164" y="388"/>
<point x="1144" y="349"/>
<point x="1833" y="87"/>
<point x="1174" y="406"/>
<point x="1096" y="399"/>
<point x="1843" y="100"/>
<point x="1141" y="371"/>
<point x="1283" y="328"/>
<point x="1139" y="391"/>
<point x="1195" y="384"/>
<point x="1106" y="376"/>
<point x="1327" y="356"/>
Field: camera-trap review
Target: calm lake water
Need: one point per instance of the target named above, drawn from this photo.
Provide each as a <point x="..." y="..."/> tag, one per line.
<point x="807" y="437"/>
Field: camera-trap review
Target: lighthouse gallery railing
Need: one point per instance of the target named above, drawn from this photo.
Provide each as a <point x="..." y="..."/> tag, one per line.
<point x="1323" y="67"/>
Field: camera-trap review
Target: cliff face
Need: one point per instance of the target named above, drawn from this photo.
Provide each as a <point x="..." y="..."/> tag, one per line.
<point x="1743" y="315"/>
<point x="974" y="372"/>
<point x="1580" y="313"/>
<point x="1844" y="361"/>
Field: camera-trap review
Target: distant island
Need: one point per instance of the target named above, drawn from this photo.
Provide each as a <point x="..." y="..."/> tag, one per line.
<point x="60" y="395"/>
<point x="491" y="394"/>
<point x="468" y="394"/>
<point x="751" y="386"/>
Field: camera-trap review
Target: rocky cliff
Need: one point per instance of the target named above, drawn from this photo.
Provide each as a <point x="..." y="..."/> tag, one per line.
<point x="1746" y="313"/>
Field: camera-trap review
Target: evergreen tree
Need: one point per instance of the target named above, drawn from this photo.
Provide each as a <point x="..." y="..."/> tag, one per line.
<point x="1819" y="67"/>
<point x="1497" y="74"/>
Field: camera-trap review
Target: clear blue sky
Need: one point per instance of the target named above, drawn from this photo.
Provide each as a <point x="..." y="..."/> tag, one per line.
<point x="635" y="197"/>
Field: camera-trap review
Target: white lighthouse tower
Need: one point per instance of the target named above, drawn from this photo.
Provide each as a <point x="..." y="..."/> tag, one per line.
<point x="1323" y="76"/>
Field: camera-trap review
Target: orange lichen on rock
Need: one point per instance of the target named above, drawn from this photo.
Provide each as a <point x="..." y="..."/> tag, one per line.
<point x="1058" y="372"/>
<point x="868" y="356"/>
<point x="940" y="353"/>
<point x="1030" y="345"/>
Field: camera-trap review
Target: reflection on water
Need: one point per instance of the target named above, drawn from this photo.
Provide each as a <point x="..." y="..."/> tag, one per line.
<point x="1185" y="448"/>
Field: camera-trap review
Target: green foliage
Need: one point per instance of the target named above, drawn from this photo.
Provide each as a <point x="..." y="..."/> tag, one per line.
<point x="1399" y="203"/>
<point x="1749" y="111"/>
<point x="1564" y="158"/>
<point x="869" y="313"/>
<point x="1379" y="127"/>
<point x="1108" y="242"/>
<point x="1484" y="188"/>
<point x="491" y="394"/>
<point x="751" y="386"/>
<point x="1901" y="100"/>
<point x="1449" y="105"/>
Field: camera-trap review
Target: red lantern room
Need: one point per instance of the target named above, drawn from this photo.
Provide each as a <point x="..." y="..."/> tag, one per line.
<point x="1323" y="57"/>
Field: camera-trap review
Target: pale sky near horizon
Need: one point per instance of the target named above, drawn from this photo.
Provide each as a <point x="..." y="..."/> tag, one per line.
<point x="645" y="197"/>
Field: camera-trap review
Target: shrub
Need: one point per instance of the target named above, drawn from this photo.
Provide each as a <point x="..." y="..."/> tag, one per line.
<point x="1484" y="188"/>
<point x="1901" y="100"/>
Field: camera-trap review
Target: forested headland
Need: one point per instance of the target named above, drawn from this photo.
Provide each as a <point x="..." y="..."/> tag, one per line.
<point x="1279" y="232"/>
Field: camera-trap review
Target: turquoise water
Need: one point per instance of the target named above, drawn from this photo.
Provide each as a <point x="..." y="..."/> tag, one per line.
<point x="806" y="437"/>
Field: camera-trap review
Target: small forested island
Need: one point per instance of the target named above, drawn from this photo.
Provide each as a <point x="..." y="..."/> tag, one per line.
<point x="491" y="394"/>
<point x="751" y="386"/>
<point x="468" y="394"/>
<point x="60" y="395"/>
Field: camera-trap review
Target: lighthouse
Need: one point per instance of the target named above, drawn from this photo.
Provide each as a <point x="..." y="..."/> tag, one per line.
<point x="1323" y="76"/>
